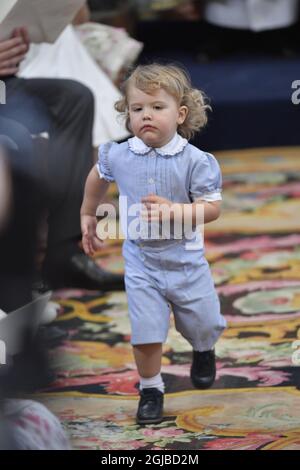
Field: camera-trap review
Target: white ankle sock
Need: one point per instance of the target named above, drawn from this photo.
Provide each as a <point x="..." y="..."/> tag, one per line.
<point x="152" y="382"/>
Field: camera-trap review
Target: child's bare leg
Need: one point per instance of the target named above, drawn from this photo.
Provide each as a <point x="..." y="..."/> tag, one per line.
<point x="148" y="359"/>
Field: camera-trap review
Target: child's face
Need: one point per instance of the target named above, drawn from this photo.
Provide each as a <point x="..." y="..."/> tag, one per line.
<point x="154" y="117"/>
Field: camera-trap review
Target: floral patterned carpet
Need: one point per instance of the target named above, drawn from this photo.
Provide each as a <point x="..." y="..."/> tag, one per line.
<point x="254" y="252"/>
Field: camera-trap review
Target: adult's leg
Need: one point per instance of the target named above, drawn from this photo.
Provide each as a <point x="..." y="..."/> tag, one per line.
<point x="70" y="156"/>
<point x="71" y="106"/>
<point x="65" y="109"/>
<point x="18" y="236"/>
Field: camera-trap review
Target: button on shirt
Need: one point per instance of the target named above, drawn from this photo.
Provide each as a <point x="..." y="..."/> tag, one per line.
<point x="177" y="171"/>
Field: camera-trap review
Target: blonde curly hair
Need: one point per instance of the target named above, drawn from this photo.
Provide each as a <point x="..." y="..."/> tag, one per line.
<point x="175" y="81"/>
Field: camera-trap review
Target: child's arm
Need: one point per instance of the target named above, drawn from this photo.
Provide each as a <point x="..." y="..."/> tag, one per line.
<point x="153" y="202"/>
<point x="95" y="189"/>
<point x="212" y="210"/>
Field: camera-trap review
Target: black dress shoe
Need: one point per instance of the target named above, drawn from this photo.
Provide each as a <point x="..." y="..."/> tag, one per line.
<point x="203" y="370"/>
<point x="150" y="409"/>
<point x="82" y="272"/>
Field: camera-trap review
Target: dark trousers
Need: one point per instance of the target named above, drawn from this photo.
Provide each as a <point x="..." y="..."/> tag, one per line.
<point x="217" y="41"/>
<point x="19" y="232"/>
<point x="65" y="110"/>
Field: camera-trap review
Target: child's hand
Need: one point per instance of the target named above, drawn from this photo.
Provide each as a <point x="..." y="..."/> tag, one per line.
<point x="159" y="208"/>
<point x="90" y="241"/>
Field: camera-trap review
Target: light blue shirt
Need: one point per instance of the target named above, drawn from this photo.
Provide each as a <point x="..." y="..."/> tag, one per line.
<point x="177" y="171"/>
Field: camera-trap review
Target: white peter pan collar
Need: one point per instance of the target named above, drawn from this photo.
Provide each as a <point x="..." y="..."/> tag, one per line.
<point x="176" y="145"/>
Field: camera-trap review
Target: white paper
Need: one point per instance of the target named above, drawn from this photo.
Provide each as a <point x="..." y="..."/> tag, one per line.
<point x="44" y="19"/>
<point x="5" y="7"/>
<point x="67" y="58"/>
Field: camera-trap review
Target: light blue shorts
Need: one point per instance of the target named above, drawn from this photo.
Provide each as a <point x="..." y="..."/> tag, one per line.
<point x="164" y="277"/>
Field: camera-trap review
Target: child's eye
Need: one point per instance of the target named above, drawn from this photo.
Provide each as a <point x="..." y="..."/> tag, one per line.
<point x="157" y="107"/>
<point x="135" y="110"/>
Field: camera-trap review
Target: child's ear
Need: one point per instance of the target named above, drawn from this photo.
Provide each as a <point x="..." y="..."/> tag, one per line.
<point x="182" y="114"/>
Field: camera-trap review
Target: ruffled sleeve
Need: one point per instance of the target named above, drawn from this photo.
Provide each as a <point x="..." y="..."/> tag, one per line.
<point x="103" y="162"/>
<point x="206" y="179"/>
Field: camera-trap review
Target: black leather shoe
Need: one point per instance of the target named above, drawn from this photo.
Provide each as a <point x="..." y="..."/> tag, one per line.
<point x="81" y="271"/>
<point x="203" y="370"/>
<point x="150" y="409"/>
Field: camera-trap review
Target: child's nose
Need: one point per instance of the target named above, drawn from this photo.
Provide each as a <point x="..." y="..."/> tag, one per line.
<point x="147" y="114"/>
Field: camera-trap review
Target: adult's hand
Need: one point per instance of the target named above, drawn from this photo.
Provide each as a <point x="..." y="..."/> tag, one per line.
<point x="13" y="51"/>
<point x="21" y="33"/>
